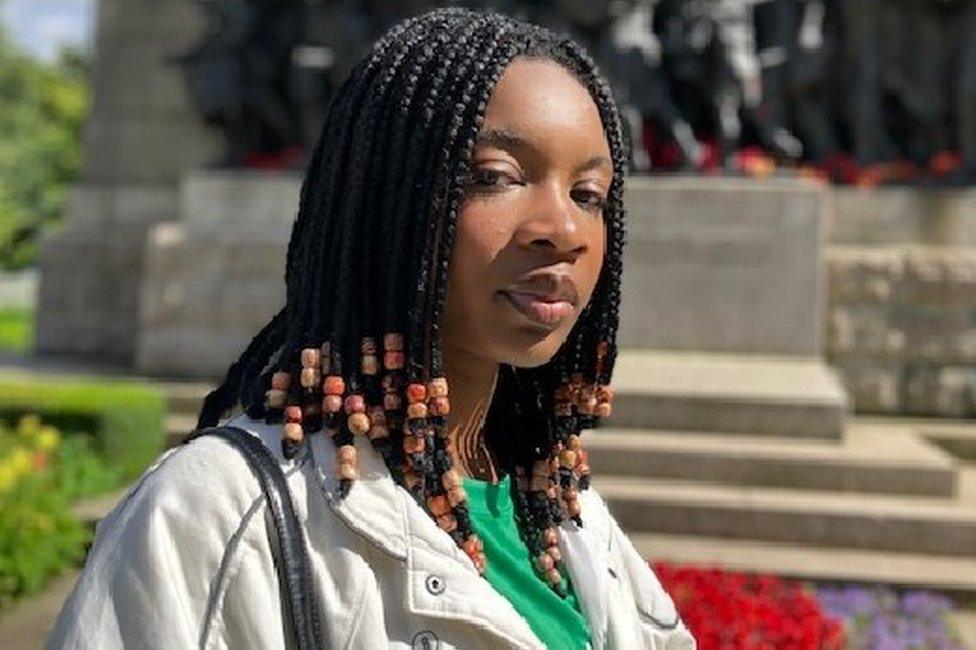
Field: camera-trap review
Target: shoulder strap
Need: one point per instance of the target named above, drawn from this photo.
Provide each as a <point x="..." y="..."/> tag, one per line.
<point x="291" y="561"/>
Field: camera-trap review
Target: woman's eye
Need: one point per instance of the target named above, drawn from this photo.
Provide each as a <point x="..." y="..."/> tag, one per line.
<point x="589" y="199"/>
<point x="491" y="178"/>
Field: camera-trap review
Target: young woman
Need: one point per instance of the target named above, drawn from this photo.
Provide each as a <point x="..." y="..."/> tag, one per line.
<point x="461" y="224"/>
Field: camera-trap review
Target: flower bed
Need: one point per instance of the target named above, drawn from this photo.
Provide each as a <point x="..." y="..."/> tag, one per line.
<point x="40" y="473"/>
<point x="879" y="617"/>
<point x="739" y="611"/>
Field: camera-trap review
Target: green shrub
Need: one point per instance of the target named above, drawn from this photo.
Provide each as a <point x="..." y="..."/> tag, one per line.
<point x="123" y="418"/>
<point x="39" y="536"/>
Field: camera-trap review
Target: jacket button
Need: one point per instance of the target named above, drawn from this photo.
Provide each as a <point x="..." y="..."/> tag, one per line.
<point x="435" y="584"/>
<point x="425" y="640"/>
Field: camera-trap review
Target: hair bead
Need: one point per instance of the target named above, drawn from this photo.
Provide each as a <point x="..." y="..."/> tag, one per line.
<point x="280" y="380"/>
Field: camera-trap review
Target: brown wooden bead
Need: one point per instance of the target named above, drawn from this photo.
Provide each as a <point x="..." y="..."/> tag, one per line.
<point x="563" y="393"/>
<point x="331" y="403"/>
<point x="550" y="537"/>
<point x="437" y="387"/>
<point x="570" y="494"/>
<point x="567" y="458"/>
<point x="470" y="545"/>
<point x="440" y="406"/>
<point x="604" y="393"/>
<point x="554" y="553"/>
<point x="293" y="414"/>
<point x="368" y="345"/>
<point x="553" y="577"/>
<point x="334" y="385"/>
<point x="447" y="522"/>
<point x="413" y="444"/>
<point x="378" y="431"/>
<point x="348" y="471"/>
<point x="346" y="453"/>
<point x="358" y="423"/>
<point x="588" y="407"/>
<point x="456" y="496"/>
<point x="392" y="402"/>
<point x="417" y="410"/>
<point x="310" y="377"/>
<point x="377" y="415"/>
<point x="573" y="442"/>
<point x="370" y="365"/>
<point x="354" y="403"/>
<point x="416" y="393"/>
<point x="438" y="505"/>
<point x="311" y="358"/>
<point x="393" y="360"/>
<point x="573" y="508"/>
<point x="604" y="409"/>
<point x="281" y="380"/>
<point x="293" y="431"/>
<point x="393" y="341"/>
<point x="410" y="478"/>
<point x="545" y="562"/>
<point x="451" y="479"/>
<point x="276" y="398"/>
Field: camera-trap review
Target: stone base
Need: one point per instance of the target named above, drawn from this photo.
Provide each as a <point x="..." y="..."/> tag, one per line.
<point x="775" y="396"/>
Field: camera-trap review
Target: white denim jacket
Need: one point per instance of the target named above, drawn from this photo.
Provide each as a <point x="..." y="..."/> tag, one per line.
<point x="185" y="561"/>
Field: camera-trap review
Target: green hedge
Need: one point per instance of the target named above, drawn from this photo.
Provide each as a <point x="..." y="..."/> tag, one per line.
<point x="124" y="418"/>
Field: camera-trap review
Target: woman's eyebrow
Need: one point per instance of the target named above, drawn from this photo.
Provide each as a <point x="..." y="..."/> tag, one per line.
<point x="507" y="139"/>
<point x="502" y="138"/>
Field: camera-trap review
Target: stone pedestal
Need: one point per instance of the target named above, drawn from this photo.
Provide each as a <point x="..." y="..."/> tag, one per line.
<point x="216" y="276"/>
<point x="141" y="135"/>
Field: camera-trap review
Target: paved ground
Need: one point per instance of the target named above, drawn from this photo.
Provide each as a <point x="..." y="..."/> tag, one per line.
<point x="27" y="624"/>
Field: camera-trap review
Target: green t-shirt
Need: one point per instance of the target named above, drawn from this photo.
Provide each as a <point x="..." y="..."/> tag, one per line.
<point x="558" y="623"/>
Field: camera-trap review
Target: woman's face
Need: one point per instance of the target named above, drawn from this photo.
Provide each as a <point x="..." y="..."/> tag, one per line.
<point x="531" y="236"/>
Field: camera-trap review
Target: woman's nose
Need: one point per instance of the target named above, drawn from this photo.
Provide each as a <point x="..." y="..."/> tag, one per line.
<point x="551" y="222"/>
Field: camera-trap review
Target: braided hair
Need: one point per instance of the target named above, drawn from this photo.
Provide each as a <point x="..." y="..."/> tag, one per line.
<point x="356" y="350"/>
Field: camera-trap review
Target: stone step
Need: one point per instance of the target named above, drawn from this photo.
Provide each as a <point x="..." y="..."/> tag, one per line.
<point x="914" y="570"/>
<point x="178" y="426"/>
<point x="795" y="397"/>
<point x="909" y="524"/>
<point x="866" y="460"/>
<point x="185" y="397"/>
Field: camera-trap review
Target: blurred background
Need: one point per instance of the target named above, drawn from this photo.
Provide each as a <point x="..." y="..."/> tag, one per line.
<point x="793" y="444"/>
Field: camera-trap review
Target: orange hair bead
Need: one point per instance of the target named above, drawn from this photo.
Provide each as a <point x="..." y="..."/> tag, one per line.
<point x="293" y="431"/>
<point x="334" y="385"/>
<point x="358" y="423"/>
<point x="416" y="393"/>
<point x="293" y="414"/>
<point x="437" y="387"/>
<point x="440" y="406"/>
<point x="393" y="360"/>
<point x="354" y="403"/>
<point x="280" y="380"/>
<point x="276" y="398"/>
<point x="417" y="410"/>
<point x="438" y="505"/>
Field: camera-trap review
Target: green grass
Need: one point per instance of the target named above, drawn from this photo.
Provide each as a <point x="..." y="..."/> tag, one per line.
<point x="16" y="329"/>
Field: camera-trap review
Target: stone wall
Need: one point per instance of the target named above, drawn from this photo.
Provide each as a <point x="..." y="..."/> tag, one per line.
<point x="901" y="327"/>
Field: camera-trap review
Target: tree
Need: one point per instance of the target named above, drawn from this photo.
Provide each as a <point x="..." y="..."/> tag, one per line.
<point x="42" y="110"/>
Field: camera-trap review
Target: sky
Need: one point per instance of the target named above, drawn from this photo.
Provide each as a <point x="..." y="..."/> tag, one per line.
<point x="42" y="26"/>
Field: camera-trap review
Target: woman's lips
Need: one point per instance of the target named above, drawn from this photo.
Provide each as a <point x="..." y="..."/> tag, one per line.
<point x="543" y="312"/>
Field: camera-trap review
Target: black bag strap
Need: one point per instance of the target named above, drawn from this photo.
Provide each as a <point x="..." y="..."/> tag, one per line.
<point x="291" y="560"/>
